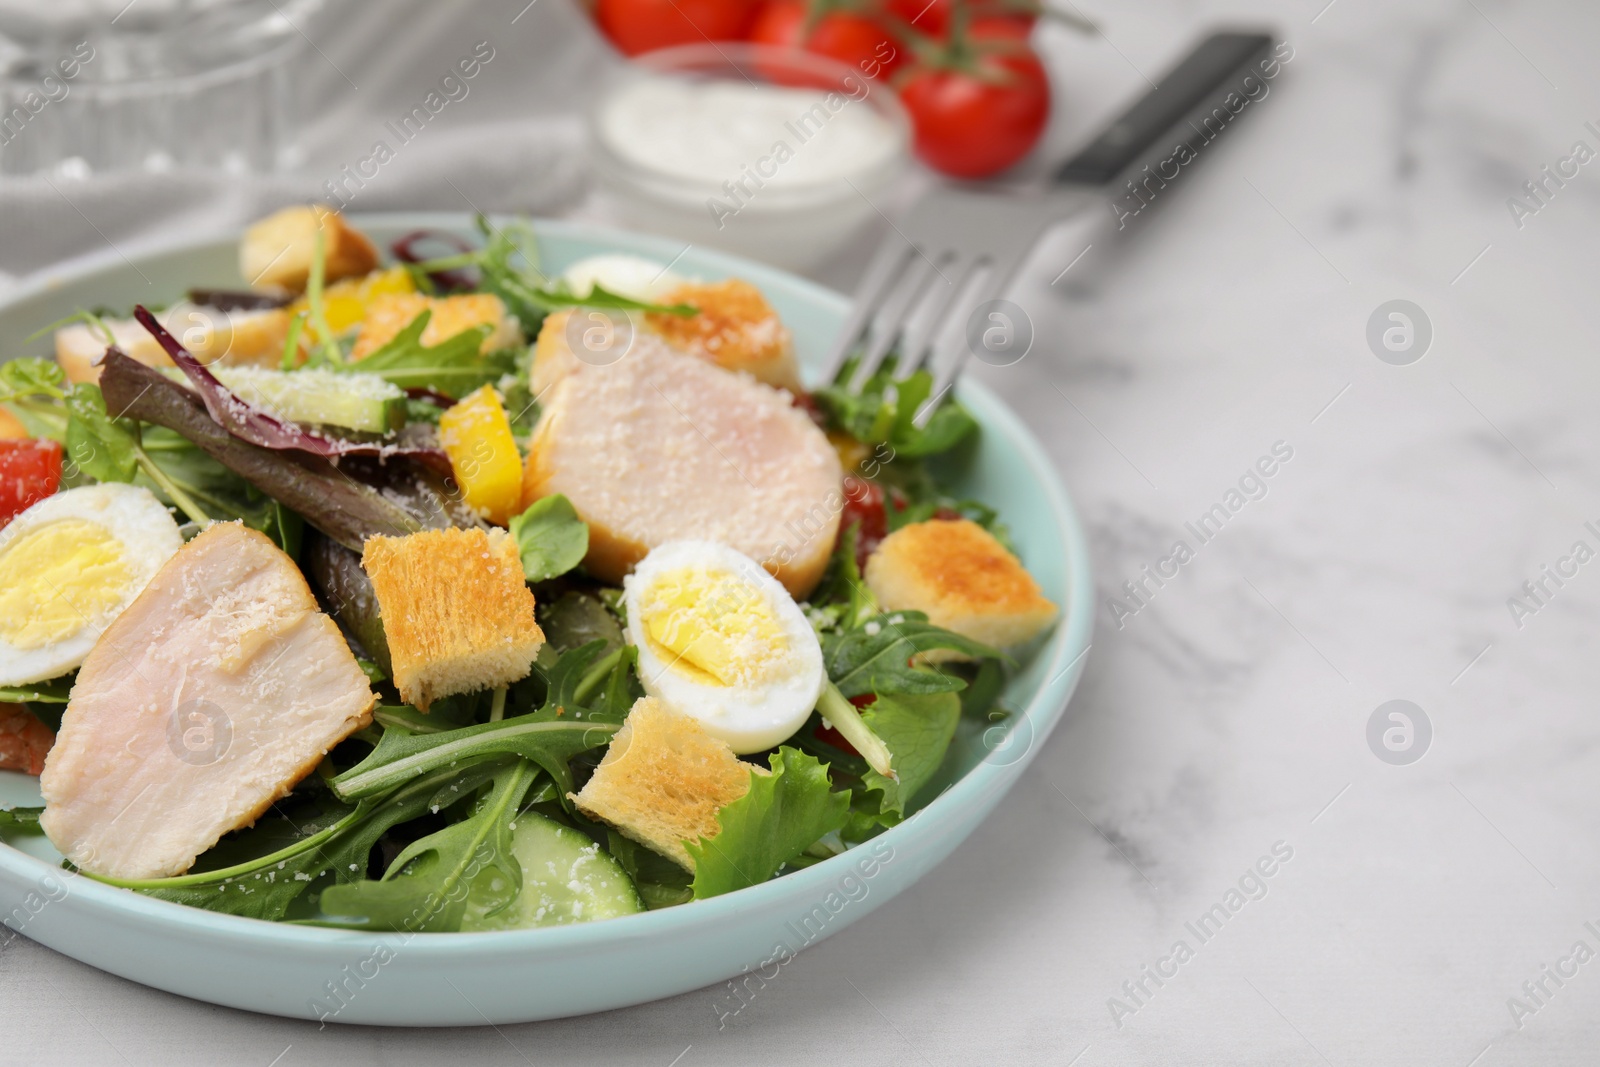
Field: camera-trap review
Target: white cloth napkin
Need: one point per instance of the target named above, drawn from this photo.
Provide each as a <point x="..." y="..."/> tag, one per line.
<point x="512" y="143"/>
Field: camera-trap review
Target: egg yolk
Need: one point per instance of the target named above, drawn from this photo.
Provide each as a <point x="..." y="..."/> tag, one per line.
<point x="57" y="579"/>
<point x="713" y="626"/>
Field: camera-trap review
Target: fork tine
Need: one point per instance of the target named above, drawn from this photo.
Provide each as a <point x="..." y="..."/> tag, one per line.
<point x="922" y="324"/>
<point x="889" y="322"/>
<point x="888" y="263"/>
<point x="950" y="348"/>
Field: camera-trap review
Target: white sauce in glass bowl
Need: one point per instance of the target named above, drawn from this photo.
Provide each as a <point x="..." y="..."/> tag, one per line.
<point x="711" y="132"/>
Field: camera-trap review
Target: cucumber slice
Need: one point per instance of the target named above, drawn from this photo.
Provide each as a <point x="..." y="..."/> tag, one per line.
<point x="566" y="878"/>
<point x="362" y="402"/>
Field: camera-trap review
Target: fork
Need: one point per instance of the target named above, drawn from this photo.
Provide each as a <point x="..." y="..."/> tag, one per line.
<point x="931" y="293"/>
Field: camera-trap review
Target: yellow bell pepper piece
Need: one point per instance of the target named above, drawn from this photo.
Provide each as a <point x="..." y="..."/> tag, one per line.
<point x="477" y="437"/>
<point x="11" y="428"/>
<point x="345" y="304"/>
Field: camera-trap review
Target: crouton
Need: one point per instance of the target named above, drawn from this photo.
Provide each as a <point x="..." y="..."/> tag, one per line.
<point x="390" y="313"/>
<point x="663" y="780"/>
<point x="252" y="338"/>
<point x="735" y="328"/>
<point x="11" y="427"/>
<point x="660" y="446"/>
<point x="278" y="251"/>
<point x="963" y="579"/>
<point x="456" y="610"/>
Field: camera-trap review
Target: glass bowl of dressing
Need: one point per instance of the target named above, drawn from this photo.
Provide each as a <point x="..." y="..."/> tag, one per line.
<point x="778" y="155"/>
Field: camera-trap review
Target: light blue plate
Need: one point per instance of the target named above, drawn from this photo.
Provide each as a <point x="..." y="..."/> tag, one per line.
<point x="519" y="976"/>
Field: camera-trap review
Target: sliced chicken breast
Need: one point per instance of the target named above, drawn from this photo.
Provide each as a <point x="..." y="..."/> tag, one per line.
<point x="216" y="691"/>
<point x="660" y="446"/>
<point x="735" y="329"/>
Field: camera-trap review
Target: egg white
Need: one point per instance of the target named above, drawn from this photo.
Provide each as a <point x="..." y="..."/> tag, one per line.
<point x="147" y="536"/>
<point x="750" y="718"/>
<point x="631" y="276"/>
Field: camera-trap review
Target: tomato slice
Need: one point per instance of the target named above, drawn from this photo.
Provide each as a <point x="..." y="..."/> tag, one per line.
<point x="29" y="472"/>
<point x="863" y="506"/>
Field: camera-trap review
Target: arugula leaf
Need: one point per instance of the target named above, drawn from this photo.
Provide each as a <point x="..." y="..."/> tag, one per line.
<point x="884" y="409"/>
<point x="622" y="689"/>
<point x="917" y="730"/>
<point x="222" y="493"/>
<point x="500" y="275"/>
<point x="104" y="448"/>
<point x="876" y="656"/>
<point x="559" y="296"/>
<point x="55" y="691"/>
<point x="334" y="847"/>
<point x="842" y="589"/>
<point x="574" y="619"/>
<point x="516" y="391"/>
<point x="984" y="688"/>
<point x="551" y="538"/>
<point x="21" y="820"/>
<point x="402" y="755"/>
<point x="429" y="882"/>
<point x="781" y="816"/>
<point x="454" y="366"/>
<point x="569" y="681"/>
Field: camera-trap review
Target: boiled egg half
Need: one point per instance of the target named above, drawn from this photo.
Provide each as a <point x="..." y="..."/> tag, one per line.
<point x="722" y="641"/>
<point x="68" y="566"/>
<point x="641" y="279"/>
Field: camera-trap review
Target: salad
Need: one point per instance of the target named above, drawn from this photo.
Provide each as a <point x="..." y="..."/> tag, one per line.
<point x="444" y="595"/>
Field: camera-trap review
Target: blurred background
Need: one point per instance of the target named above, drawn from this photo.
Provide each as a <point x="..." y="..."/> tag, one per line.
<point x="126" y="123"/>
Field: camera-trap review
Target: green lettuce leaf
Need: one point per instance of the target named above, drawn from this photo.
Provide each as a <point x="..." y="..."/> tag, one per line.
<point x="917" y="730"/>
<point x="781" y="816"/>
<point x="31" y="378"/>
<point x="550" y="537"/>
<point x="104" y="448"/>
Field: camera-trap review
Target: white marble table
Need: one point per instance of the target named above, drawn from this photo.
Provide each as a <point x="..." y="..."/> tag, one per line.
<point x="1221" y="729"/>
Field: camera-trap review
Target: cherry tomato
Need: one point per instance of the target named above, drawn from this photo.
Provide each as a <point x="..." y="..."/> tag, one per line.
<point x="637" y="26"/>
<point x="29" y="472"/>
<point x="979" y="112"/>
<point x="933" y="17"/>
<point x="847" y="36"/>
<point x="863" y="508"/>
<point x="1012" y="26"/>
<point x="800" y="399"/>
<point x="829" y="735"/>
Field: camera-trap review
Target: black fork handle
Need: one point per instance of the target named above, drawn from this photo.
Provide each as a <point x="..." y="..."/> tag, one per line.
<point x="1224" y="63"/>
